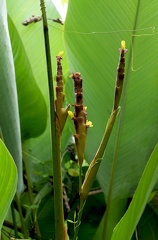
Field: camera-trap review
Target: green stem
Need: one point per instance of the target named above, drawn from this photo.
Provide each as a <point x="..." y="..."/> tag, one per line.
<point x="31" y="195"/>
<point x="10" y="225"/>
<point x="93" y="168"/>
<point x="58" y="193"/>
<point x="118" y="92"/>
<point x="60" y="232"/>
<point x="80" y="177"/>
<point x="28" y="177"/>
<point x="14" y="220"/>
<point x="77" y="224"/>
<point x="23" y="227"/>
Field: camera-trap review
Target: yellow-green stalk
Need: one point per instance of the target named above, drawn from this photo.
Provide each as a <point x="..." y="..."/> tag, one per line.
<point x="94" y="166"/>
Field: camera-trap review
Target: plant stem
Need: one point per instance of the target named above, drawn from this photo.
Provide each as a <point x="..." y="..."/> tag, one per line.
<point x="31" y="195"/>
<point x="118" y="92"/>
<point x="14" y="220"/>
<point x="11" y="225"/>
<point x="80" y="177"/>
<point x="58" y="192"/>
<point x="77" y="224"/>
<point x="28" y="176"/>
<point x="94" y="166"/>
<point x="60" y="231"/>
<point x="23" y="227"/>
<point x="93" y="169"/>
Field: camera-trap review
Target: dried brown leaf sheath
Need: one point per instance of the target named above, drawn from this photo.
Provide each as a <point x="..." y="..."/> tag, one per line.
<point x="61" y="112"/>
<point x="31" y="19"/>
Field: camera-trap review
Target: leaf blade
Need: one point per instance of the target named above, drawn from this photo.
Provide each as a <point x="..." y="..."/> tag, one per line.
<point x="8" y="179"/>
<point x="9" y="113"/>
<point x="127" y="224"/>
<point x="92" y="50"/>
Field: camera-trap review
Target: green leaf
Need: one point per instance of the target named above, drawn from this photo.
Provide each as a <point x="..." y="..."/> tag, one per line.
<point x="32" y="106"/>
<point x="92" y="214"/>
<point x="147" y="227"/>
<point x="46" y="217"/>
<point x="128" y="223"/>
<point x="8" y="180"/>
<point x="40" y="197"/>
<point x="93" y="36"/>
<point x="117" y="209"/>
<point x="9" y="113"/>
<point x="32" y="39"/>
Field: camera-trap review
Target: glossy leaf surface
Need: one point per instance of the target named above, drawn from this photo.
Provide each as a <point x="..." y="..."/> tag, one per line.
<point x="8" y="181"/>
<point x="9" y="112"/>
<point x="32" y="106"/>
<point x="125" y="228"/>
<point x="93" y="33"/>
<point x="32" y="43"/>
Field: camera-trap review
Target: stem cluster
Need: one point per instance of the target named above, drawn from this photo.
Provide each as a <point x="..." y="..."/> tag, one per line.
<point x="58" y="117"/>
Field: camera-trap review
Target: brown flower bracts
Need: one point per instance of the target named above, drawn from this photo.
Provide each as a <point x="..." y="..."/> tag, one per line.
<point x="79" y="117"/>
<point x="61" y="112"/>
<point x="120" y="75"/>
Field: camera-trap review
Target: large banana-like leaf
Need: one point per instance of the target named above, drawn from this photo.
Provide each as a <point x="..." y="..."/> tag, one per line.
<point x="9" y="114"/>
<point x="93" y="32"/>
<point x="31" y="36"/>
<point x="32" y="106"/>
<point x="130" y="219"/>
<point x="8" y="181"/>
